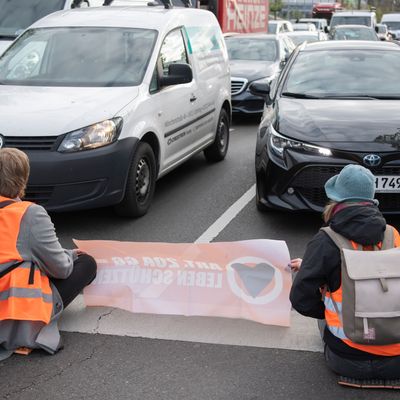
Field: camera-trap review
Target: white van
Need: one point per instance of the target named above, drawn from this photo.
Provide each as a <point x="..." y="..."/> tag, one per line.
<point x="106" y="100"/>
<point x="17" y="15"/>
<point x="392" y="21"/>
<point x="357" y="17"/>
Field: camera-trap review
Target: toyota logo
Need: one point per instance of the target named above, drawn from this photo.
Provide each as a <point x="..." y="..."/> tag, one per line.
<point x="372" y="160"/>
<point x="1" y="141"/>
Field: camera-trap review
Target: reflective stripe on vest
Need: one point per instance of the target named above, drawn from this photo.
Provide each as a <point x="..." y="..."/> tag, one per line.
<point x="334" y="318"/>
<point x="19" y="299"/>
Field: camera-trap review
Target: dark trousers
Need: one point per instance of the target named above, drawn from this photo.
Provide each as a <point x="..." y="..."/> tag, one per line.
<point x="84" y="272"/>
<point x="379" y="368"/>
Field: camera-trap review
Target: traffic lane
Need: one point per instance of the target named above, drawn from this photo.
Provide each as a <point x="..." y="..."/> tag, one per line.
<point x="296" y="228"/>
<point x="107" y="367"/>
<point x="186" y="202"/>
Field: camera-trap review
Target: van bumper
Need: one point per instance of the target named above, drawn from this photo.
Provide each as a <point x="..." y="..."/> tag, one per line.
<point x="80" y="180"/>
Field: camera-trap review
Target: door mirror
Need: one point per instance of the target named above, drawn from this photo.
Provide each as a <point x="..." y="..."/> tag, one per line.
<point x="326" y="29"/>
<point x="177" y="75"/>
<point x="261" y="89"/>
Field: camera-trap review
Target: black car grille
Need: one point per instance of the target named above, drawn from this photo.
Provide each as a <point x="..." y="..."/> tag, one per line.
<point x="31" y="142"/>
<point x="238" y="85"/>
<point x="310" y="182"/>
<point x="39" y="194"/>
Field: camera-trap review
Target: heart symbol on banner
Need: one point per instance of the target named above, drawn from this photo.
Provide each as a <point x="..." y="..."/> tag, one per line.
<point x="256" y="278"/>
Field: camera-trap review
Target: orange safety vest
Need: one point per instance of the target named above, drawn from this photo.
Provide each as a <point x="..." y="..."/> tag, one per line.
<point x="25" y="292"/>
<point x="333" y="319"/>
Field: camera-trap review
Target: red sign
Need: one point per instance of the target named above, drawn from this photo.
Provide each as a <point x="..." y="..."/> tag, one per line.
<point x="243" y="16"/>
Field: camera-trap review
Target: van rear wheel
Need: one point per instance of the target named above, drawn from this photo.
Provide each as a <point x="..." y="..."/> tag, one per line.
<point x="218" y="149"/>
<point x="140" y="185"/>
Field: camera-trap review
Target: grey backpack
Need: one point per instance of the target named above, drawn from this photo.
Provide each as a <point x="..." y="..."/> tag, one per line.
<point x="370" y="290"/>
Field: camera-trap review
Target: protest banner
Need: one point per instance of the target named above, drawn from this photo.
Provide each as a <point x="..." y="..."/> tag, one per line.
<point x="246" y="279"/>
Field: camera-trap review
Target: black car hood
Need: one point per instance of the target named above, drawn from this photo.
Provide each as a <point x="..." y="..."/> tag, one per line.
<point x="354" y="125"/>
<point x="252" y="70"/>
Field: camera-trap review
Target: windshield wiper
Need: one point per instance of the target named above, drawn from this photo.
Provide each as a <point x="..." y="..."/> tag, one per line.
<point x="7" y="37"/>
<point x="389" y="97"/>
<point x="350" y="96"/>
<point x="299" y="95"/>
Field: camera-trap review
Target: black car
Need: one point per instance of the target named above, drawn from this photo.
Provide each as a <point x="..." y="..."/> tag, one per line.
<point x="336" y="103"/>
<point x="254" y="58"/>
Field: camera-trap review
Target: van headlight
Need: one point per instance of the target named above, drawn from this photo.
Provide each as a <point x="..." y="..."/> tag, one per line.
<point x="279" y="143"/>
<point x="92" y="137"/>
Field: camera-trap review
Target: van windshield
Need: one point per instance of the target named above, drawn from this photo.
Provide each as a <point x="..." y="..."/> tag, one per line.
<point x="353" y="20"/>
<point x="78" y="57"/>
<point x="392" y="25"/>
<point x="16" y="15"/>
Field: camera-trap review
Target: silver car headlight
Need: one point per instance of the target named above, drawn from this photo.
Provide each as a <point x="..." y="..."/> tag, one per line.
<point x="92" y="137"/>
<point x="279" y="143"/>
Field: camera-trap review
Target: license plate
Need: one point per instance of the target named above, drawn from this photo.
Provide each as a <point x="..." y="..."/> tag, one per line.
<point x="387" y="183"/>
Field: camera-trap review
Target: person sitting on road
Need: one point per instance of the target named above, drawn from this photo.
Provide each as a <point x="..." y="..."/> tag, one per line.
<point x="38" y="278"/>
<point x="352" y="213"/>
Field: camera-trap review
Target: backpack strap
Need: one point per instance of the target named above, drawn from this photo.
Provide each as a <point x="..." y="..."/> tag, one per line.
<point x="338" y="239"/>
<point x="388" y="239"/>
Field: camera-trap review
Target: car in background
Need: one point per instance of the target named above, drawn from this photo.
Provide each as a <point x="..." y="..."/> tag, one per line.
<point x="336" y="103"/>
<point x="392" y="21"/>
<point x="304" y="26"/>
<point x="383" y="32"/>
<point x="352" y="32"/>
<point x="279" y="26"/>
<point x="321" y="24"/>
<point x="306" y="36"/>
<point x="367" y="18"/>
<point x="17" y="15"/>
<point x="255" y="58"/>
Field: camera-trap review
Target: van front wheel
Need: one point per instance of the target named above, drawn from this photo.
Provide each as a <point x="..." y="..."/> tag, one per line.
<point x="140" y="185"/>
<point x="218" y="149"/>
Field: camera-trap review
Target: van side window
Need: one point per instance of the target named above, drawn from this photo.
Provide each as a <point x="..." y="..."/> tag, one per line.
<point x="172" y="51"/>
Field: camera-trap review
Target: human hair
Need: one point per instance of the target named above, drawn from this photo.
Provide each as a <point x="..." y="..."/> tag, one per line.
<point x="328" y="210"/>
<point x="14" y="173"/>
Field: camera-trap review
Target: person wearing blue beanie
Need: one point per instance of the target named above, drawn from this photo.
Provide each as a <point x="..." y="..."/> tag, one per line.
<point x="353" y="213"/>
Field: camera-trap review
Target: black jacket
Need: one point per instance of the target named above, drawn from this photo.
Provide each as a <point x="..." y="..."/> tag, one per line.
<point x="321" y="265"/>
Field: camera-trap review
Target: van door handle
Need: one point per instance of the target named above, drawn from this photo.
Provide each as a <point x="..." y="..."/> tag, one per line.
<point x="193" y="98"/>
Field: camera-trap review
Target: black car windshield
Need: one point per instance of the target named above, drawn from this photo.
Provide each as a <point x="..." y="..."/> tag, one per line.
<point x="392" y="25"/>
<point x="16" y="15"/>
<point x="354" y="34"/>
<point x="345" y="73"/>
<point x="78" y="57"/>
<point x="351" y="21"/>
<point x="251" y="49"/>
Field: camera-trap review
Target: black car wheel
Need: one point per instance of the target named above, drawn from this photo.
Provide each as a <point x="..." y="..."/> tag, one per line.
<point x="218" y="149"/>
<point x="141" y="183"/>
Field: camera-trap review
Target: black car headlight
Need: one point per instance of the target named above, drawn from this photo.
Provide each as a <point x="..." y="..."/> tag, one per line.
<point x="279" y="143"/>
<point x="92" y="137"/>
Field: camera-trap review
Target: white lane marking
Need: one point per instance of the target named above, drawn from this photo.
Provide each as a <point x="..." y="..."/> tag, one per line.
<point x="216" y="228"/>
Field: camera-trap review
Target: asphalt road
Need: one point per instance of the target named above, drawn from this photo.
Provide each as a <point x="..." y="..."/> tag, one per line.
<point x="186" y="203"/>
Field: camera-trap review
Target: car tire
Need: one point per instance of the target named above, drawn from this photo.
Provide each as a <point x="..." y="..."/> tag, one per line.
<point x="218" y="149"/>
<point x="141" y="183"/>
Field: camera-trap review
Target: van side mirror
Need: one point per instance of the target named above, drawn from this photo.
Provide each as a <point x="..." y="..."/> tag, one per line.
<point x="377" y="29"/>
<point x="326" y="29"/>
<point x="261" y="89"/>
<point x="177" y="75"/>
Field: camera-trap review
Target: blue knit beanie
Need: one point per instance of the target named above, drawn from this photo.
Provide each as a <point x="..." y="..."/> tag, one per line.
<point x="353" y="183"/>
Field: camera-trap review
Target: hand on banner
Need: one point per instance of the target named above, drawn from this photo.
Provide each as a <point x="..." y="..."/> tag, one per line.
<point x="295" y="264"/>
